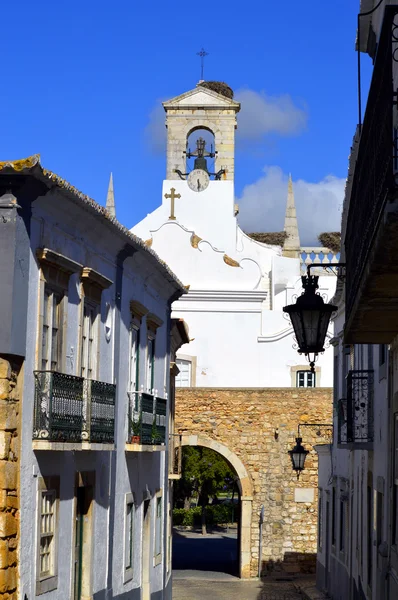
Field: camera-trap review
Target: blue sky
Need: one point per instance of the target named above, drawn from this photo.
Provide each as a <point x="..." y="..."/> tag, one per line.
<point x="81" y="79"/>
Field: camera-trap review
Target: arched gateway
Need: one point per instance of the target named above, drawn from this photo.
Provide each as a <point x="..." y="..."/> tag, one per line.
<point x="253" y="429"/>
<point x="246" y="495"/>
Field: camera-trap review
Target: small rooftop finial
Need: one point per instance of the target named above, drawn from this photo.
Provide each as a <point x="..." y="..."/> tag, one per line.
<point x="291" y="246"/>
<point x="110" y="199"/>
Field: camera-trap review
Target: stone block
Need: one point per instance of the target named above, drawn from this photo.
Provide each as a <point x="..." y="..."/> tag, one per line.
<point x="8" y="580"/>
<point x="5" y="389"/>
<point x="5" y="369"/>
<point x="5" y="439"/>
<point x="12" y="502"/>
<point x="8" y="475"/>
<point x="3" y="554"/>
<point x="8" y="417"/>
<point x="8" y="525"/>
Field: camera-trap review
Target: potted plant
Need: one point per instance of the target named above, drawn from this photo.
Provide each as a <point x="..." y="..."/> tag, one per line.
<point x="136" y="431"/>
<point x="156" y="437"/>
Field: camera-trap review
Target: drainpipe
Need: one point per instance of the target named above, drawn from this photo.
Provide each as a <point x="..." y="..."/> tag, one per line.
<point x="177" y="294"/>
<point x="260" y="545"/>
<point x="126" y="252"/>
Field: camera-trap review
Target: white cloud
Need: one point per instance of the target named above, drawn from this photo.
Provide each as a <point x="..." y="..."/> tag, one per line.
<point x="261" y="114"/>
<point x="318" y="204"/>
<point x="155" y="130"/>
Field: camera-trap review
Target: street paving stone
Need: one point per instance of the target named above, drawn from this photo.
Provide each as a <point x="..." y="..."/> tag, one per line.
<point x="203" y="588"/>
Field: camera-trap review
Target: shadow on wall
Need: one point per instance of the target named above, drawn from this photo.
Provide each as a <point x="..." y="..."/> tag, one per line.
<point x="293" y="563"/>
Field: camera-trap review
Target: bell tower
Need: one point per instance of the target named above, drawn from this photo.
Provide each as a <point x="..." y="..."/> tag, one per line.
<point x="209" y="106"/>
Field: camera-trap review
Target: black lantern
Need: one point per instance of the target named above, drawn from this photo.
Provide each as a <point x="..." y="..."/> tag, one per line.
<point x="310" y="318"/>
<point x="298" y="456"/>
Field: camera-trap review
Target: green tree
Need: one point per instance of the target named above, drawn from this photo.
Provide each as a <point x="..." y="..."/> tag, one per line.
<point x="206" y="473"/>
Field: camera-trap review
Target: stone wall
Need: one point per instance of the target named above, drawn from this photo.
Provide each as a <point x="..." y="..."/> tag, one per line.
<point x="10" y="388"/>
<point x="259" y="426"/>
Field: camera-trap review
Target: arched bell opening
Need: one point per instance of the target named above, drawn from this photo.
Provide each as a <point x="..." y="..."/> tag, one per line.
<point x="200" y="149"/>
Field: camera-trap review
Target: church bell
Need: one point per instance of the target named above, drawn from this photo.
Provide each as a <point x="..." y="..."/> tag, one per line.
<point x="200" y="163"/>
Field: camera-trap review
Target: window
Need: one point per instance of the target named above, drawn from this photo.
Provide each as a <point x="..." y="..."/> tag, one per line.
<point x="343" y="523"/>
<point x="129" y="537"/>
<point x="382" y="354"/>
<point x="134" y="358"/>
<point x="305" y="379"/>
<point x="184" y="377"/>
<point x="89" y="341"/>
<point x="48" y="499"/>
<point x="369" y="519"/>
<point x="51" y="343"/>
<point x="153" y="323"/>
<point x="47" y="533"/>
<point x="158" y="529"/>
<point x="382" y="361"/>
<point x="150" y="368"/>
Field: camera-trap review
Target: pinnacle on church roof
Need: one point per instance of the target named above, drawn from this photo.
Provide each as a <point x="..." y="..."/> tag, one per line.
<point x="291" y="246"/>
<point x="110" y="198"/>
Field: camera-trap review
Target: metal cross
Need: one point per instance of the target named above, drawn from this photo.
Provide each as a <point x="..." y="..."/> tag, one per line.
<point x="202" y="55"/>
<point x="172" y="197"/>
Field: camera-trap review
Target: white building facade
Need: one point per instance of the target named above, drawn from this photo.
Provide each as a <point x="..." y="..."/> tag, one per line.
<point x="86" y="315"/>
<point x="237" y="285"/>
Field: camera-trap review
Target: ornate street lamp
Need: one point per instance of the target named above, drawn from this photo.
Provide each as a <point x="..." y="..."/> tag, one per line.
<point x="298" y="456"/>
<point x="310" y="318"/>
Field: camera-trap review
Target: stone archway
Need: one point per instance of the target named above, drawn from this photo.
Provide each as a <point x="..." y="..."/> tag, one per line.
<point x="246" y="495"/>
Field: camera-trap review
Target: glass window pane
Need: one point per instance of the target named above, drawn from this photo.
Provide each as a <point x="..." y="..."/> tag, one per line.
<point x="158" y="526"/>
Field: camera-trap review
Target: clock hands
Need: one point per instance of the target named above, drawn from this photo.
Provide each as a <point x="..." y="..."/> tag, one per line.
<point x="198" y="185"/>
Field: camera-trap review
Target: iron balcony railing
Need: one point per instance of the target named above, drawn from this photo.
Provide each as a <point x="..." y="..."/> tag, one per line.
<point x="175" y="455"/>
<point x="357" y="422"/>
<point x="146" y="419"/>
<point x="73" y="409"/>
<point x="373" y="181"/>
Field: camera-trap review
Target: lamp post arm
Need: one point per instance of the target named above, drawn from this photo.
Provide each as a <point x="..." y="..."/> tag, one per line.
<point x="331" y="266"/>
<point x="312" y="425"/>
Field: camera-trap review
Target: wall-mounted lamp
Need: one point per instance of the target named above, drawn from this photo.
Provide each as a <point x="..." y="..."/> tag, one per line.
<point x="298" y="454"/>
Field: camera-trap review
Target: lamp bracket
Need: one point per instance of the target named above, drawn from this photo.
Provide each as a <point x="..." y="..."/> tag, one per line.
<point x="319" y="426"/>
<point x="337" y="269"/>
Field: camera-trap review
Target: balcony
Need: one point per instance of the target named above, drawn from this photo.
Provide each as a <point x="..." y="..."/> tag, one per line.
<point x="146" y="422"/>
<point x="175" y="456"/>
<point x="72" y="410"/>
<point x="371" y="240"/>
<point x="355" y="414"/>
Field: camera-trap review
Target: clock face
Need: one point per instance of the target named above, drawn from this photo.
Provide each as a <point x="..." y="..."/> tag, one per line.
<point x="198" y="180"/>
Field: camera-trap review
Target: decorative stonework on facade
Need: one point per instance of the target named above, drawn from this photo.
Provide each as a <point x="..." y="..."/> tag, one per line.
<point x="10" y="376"/>
<point x="254" y="429"/>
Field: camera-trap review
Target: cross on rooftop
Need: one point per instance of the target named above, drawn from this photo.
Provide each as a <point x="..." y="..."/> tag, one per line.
<point x="202" y="55"/>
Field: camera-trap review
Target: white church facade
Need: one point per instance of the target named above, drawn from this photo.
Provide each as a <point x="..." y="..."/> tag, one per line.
<point x="237" y="285"/>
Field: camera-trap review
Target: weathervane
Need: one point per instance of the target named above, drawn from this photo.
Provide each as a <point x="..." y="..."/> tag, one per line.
<point x="202" y="55"/>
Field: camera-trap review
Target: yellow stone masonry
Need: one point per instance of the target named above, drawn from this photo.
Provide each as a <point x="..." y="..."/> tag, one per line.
<point x="10" y="389"/>
<point x="259" y="426"/>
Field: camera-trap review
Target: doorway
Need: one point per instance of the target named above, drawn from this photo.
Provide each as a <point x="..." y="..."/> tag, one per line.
<point x="84" y="495"/>
<point x="146" y="551"/>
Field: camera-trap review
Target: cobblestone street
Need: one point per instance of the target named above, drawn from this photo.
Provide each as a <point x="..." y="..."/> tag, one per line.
<point x="233" y="589"/>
